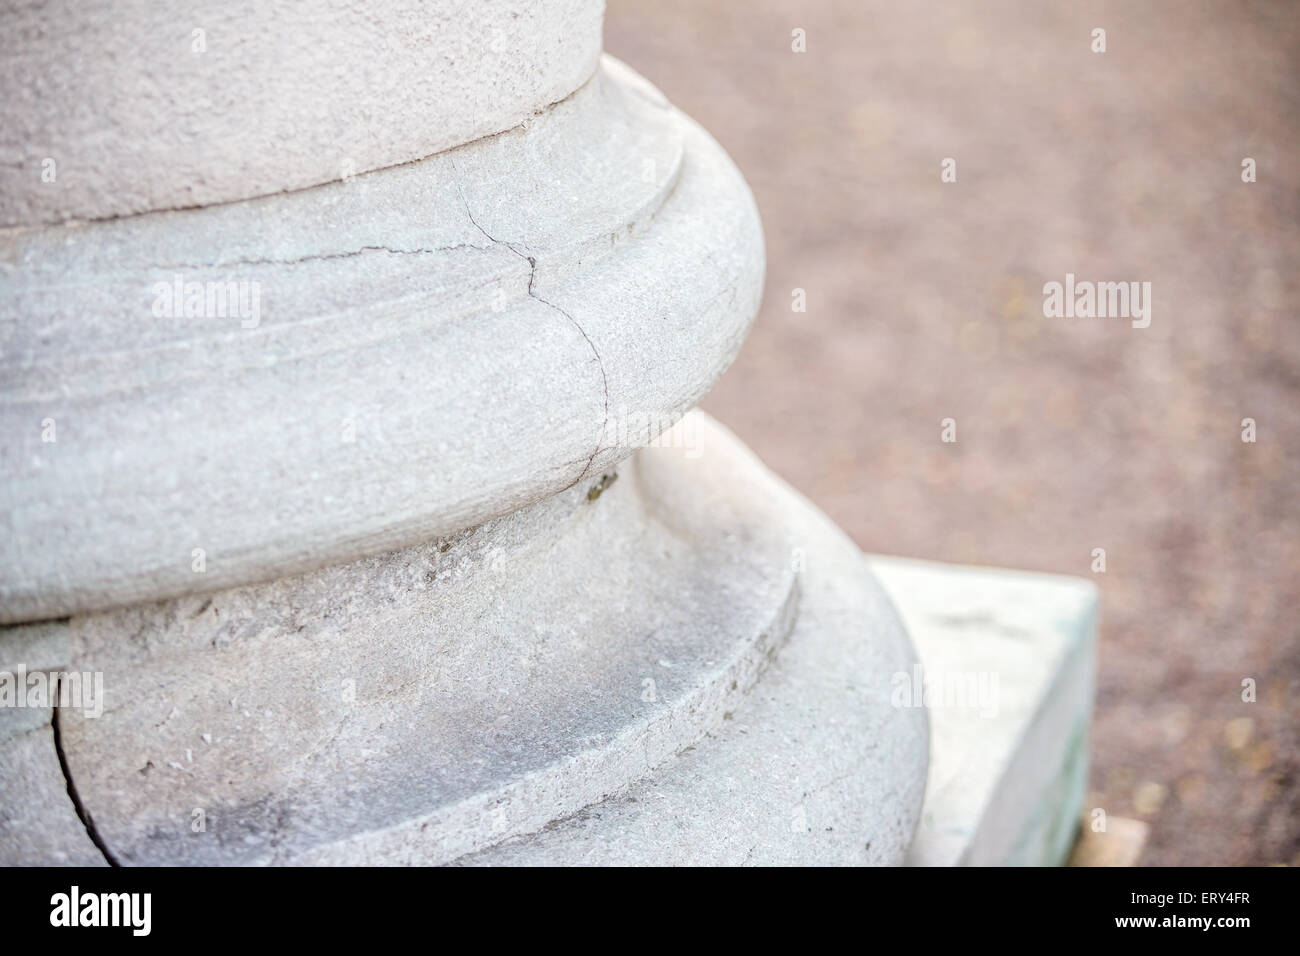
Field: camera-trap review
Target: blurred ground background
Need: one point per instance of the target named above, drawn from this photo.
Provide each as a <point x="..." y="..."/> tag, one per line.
<point x="925" y="302"/>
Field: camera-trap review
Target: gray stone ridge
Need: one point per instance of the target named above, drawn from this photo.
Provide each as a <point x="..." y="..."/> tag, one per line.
<point x="676" y="661"/>
<point x="427" y="352"/>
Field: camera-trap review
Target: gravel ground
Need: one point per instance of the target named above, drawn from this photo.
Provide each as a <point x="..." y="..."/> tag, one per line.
<point x="924" y="302"/>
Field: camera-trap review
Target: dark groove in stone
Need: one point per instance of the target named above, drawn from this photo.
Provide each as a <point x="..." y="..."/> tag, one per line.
<point x="82" y="813"/>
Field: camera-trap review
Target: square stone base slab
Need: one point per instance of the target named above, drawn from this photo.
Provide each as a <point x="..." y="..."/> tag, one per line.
<point x="1009" y="664"/>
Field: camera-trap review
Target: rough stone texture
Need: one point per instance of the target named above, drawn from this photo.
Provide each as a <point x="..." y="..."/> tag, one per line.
<point x="488" y="346"/>
<point x="1007" y="772"/>
<point x="286" y="94"/>
<point x="429" y="703"/>
<point x="38" y="820"/>
<point x="923" y="302"/>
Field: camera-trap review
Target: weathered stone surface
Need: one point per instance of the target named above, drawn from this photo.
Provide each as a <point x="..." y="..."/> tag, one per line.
<point x="816" y="767"/>
<point x="38" y="821"/>
<point x="1006" y="776"/>
<point x="485" y="352"/>
<point x="285" y="94"/>
<point x="426" y="704"/>
<point x="1007" y="773"/>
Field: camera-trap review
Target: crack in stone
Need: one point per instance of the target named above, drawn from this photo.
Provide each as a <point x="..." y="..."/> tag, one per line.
<point x="82" y="813"/>
<point x="604" y="379"/>
<point x="532" y="277"/>
<point x="325" y="256"/>
<point x="537" y="112"/>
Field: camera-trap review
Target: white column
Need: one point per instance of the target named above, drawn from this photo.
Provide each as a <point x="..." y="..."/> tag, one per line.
<point x="332" y="352"/>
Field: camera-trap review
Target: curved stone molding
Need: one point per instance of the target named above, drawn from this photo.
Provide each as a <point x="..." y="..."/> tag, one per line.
<point x="173" y="104"/>
<point x="435" y="701"/>
<point x="426" y="356"/>
<point x="817" y="767"/>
